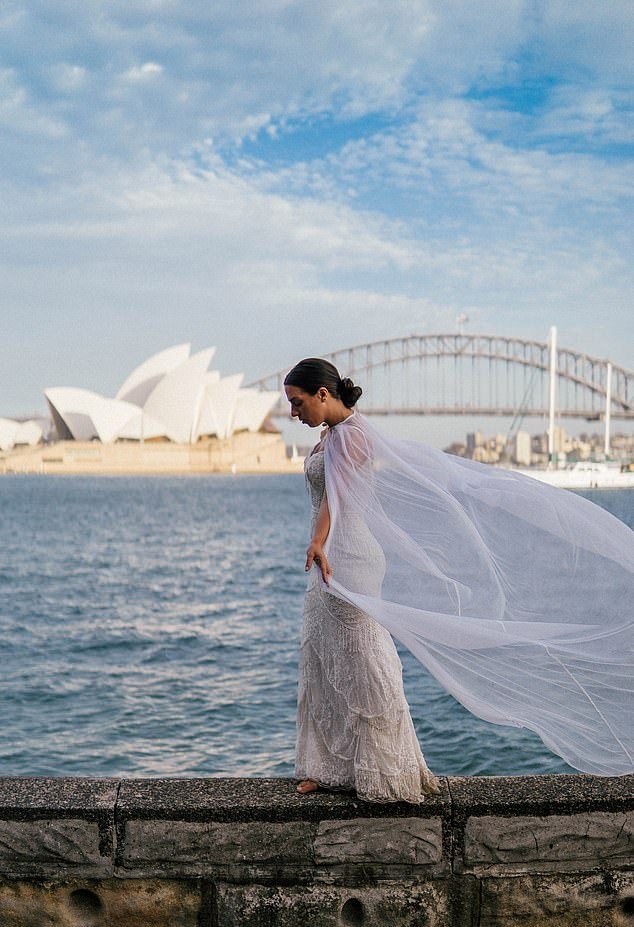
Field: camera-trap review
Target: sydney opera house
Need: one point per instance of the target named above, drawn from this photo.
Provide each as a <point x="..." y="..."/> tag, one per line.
<point x="172" y="396"/>
<point x="171" y="413"/>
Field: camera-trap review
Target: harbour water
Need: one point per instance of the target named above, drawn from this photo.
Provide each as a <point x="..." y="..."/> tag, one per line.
<point x="150" y="627"/>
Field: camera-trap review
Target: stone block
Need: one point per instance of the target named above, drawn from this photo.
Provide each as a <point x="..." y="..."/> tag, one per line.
<point x="47" y="798"/>
<point x="416" y="841"/>
<point x="52" y="847"/>
<point x="192" y="848"/>
<point x="107" y="903"/>
<point x="555" y="900"/>
<point x="498" y="845"/>
<point x="388" y="905"/>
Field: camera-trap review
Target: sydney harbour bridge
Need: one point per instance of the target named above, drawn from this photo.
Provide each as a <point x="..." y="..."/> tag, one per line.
<point x="479" y="375"/>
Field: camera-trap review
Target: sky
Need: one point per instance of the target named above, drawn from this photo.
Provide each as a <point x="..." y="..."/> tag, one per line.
<point x="283" y="179"/>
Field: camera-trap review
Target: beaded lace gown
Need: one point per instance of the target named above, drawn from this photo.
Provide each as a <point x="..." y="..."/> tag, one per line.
<point x="354" y="728"/>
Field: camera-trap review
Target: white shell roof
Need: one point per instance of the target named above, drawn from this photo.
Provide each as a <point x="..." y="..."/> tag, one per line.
<point x="142" y="427"/>
<point x="205" y="421"/>
<point x="8" y="429"/>
<point x="139" y="384"/>
<point x="252" y="407"/>
<point x="88" y="415"/>
<point x="217" y="407"/>
<point x="175" y="401"/>
<point x="12" y="433"/>
<point x="29" y="432"/>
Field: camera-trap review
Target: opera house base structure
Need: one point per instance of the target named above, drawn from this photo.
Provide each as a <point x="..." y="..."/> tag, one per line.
<point x="243" y="452"/>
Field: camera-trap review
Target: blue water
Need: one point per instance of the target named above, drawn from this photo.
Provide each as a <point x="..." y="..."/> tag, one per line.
<point x="150" y="627"/>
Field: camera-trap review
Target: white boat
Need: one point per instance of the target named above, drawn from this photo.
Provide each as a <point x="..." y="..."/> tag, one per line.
<point x="584" y="474"/>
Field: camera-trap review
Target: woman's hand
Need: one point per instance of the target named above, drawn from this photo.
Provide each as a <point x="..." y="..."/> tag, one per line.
<point x="315" y="554"/>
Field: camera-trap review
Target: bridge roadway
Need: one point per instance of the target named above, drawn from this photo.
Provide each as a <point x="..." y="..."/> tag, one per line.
<point x="507" y="411"/>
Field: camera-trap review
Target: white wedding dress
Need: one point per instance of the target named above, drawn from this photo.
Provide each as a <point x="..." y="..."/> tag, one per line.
<point x="354" y="728"/>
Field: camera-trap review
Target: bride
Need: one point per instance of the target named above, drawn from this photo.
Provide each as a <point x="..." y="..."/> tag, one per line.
<point x="516" y="595"/>
<point x="354" y="728"/>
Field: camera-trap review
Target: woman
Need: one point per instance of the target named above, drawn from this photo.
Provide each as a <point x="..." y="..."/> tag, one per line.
<point x="516" y="595"/>
<point x="354" y="728"/>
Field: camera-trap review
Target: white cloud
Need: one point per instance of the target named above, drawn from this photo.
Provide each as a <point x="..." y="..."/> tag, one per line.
<point x="232" y="68"/>
<point x="67" y="78"/>
<point x="147" y="71"/>
<point x="21" y="115"/>
<point x="448" y="173"/>
<point x="592" y="117"/>
<point x="216" y="244"/>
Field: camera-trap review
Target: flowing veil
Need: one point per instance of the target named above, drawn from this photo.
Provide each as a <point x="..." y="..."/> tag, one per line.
<point x="517" y="596"/>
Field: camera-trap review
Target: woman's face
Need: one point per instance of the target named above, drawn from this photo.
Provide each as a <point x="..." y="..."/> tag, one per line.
<point x="308" y="409"/>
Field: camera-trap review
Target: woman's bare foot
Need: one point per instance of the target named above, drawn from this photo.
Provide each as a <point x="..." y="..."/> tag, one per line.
<point x="307" y="785"/>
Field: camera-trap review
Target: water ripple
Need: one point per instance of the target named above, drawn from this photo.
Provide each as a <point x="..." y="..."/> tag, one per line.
<point x="150" y="627"/>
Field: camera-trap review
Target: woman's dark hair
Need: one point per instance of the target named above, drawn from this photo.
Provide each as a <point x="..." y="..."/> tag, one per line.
<point x="313" y="372"/>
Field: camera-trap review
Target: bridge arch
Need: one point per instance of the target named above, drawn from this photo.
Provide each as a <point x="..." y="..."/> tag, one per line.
<point x="474" y="374"/>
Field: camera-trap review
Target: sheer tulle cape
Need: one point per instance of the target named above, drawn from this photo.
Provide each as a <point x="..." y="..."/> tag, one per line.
<point x="517" y="596"/>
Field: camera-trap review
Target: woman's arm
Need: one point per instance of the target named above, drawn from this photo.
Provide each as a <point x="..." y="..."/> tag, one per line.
<point x="315" y="552"/>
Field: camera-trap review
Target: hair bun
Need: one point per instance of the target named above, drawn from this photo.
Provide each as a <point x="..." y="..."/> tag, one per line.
<point x="348" y="392"/>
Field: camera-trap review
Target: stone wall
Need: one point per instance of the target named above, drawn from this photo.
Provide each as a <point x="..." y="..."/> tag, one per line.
<point x="535" y="851"/>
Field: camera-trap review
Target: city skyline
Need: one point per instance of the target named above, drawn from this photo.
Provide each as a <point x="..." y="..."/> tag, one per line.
<point x="433" y="429"/>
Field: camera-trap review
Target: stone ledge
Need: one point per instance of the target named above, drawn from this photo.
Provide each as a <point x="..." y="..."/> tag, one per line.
<point x="391" y="840"/>
<point x="245" y="829"/>
<point x="29" y="797"/>
<point x="246" y="849"/>
<point x="255" y="799"/>
<point x="217" y="799"/>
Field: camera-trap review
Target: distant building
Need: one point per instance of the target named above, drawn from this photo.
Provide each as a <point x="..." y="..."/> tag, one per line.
<point x="172" y="396"/>
<point x="474" y="439"/>
<point x="457" y="448"/>
<point x="481" y="454"/>
<point x="522" y="449"/>
<point x="560" y="440"/>
<point x="532" y="450"/>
